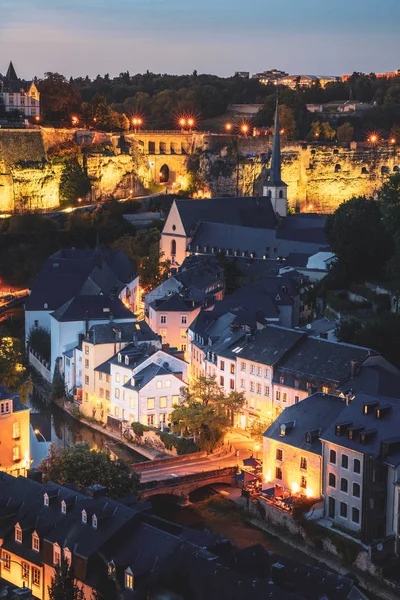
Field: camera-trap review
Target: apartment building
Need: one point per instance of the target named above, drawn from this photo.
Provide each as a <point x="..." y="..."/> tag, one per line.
<point x="14" y="434"/>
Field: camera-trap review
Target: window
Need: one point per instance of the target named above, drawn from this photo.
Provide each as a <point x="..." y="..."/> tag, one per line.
<point x="101" y="392"/>
<point x="67" y="556"/>
<point x="86" y="363"/>
<point x="279" y="454"/>
<point x="129" y="580"/>
<point x="356" y="490"/>
<point x="25" y="571"/>
<point x="35" y="576"/>
<point x="94" y="522"/>
<point x="258" y="388"/>
<point x="259" y="371"/>
<point x="125" y="379"/>
<point x="355" y="515"/>
<point x="344" y="485"/>
<point x="63" y="507"/>
<point x="284" y="397"/>
<point x="242" y="384"/>
<point x="35" y="542"/>
<point x="232" y="384"/>
<point x="159" y="385"/>
<point x="84" y="516"/>
<point x="117" y="393"/>
<point x="303" y="463"/>
<point x="296" y="399"/>
<point x="86" y="397"/>
<point x="252" y="386"/>
<point x="175" y="400"/>
<point x="303" y="482"/>
<point x="343" y="510"/>
<point x="163" y="319"/>
<point x="243" y="366"/>
<point x="117" y="377"/>
<point x="183" y="347"/>
<point x="296" y="384"/>
<point x="116" y="411"/>
<point x="150" y="404"/>
<point x="107" y="395"/>
<point x="222" y="365"/>
<point x="356" y="466"/>
<point x="18" y="534"/>
<point x="332" y="480"/>
<point x="278" y="473"/>
<point x="100" y="376"/>
<point x="221" y="380"/>
<point x="86" y="379"/>
<point x="278" y="395"/>
<point x="331" y="507"/>
<point x="150" y="420"/>
<point x="5" y="408"/>
<point x="266" y="390"/>
<point x="7" y="561"/>
<point x="56" y="554"/>
<point x="281" y="379"/>
<point x="325" y="389"/>
<point x="332" y="457"/>
<point x="167" y="383"/>
<point x="345" y="461"/>
<point x="107" y="378"/>
<point x="36" y="324"/>
<point x="163" y="401"/>
<point x="183" y="334"/>
<point x="252" y="369"/>
<point x="184" y="319"/>
<point x="86" y="349"/>
<point x="16" y="453"/>
<point x="16" y="431"/>
<point x="163" y="333"/>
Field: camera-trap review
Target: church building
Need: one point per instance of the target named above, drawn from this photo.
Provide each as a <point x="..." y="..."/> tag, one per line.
<point x="19" y="95"/>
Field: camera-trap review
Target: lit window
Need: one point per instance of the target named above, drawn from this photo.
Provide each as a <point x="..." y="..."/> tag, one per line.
<point x="278" y="395"/>
<point x="56" y="554"/>
<point x="117" y="393"/>
<point x="7" y="561"/>
<point x="16" y="431"/>
<point x="163" y="401"/>
<point x="150" y="403"/>
<point x="167" y="383"/>
<point x="232" y="369"/>
<point x="175" y="400"/>
<point x="150" y="420"/>
<point x="159" y="385"/>
<point x="116" y="411"/>
<point x="36" y="576"/>
<point x="266" y="392"/>
<point x="117" y="378"/>
<point x="325" y="389"/>
<point x="284" y="397"/>
<point x="125" y="379"/>
<point x="84" y="516"/>
<point x="35" y="542"/>
<point x="18" y="534"/>
<point x="25" y="571"/>
<point x="129" y="580"/>
<point x="16" y="453"/>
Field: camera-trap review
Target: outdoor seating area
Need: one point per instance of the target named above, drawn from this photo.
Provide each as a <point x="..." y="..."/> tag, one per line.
<point x="278" y="497"/>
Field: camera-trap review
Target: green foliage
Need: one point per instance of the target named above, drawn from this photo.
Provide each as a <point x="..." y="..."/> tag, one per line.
<point x="138" y="429"/>
<point x="58" y="385"/>
<point x="63" y="585"/>
<point x="321" y="131"/>
<point x="345" y="132"/>
<point x="389" y="197"/>
<point x="257" y="431"/>
<point x="84" y="466"/>
<point x="182" y="445"/>
<point x="233" y="274"/>
<point x="358" y="238"/>
<point x="74" y="182"/>
<point x="97" y="113"/>
<point x="205" y="412"/>
<point x="12" y="370"/>
<point x="39" y="341"/>
<point x="108" y="587"/>
<point x="58" y="97"/>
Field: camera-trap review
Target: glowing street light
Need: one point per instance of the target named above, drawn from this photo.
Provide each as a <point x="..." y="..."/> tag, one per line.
<point x="37" y="119"/>
<point x="74" y="120"/>
<point x="393" y="140"/>
<point x="228" y="126"/>
<point x="37" y="432"/>
<point x="244" y="129"/>
<point x="190" y="122"/>
<point x="182" y="122"/>
<point x="373" y="139"/>
<point x="79" y="200"/>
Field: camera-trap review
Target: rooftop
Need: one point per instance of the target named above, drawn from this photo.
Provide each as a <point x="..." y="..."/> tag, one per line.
<point x="83" y="308"/>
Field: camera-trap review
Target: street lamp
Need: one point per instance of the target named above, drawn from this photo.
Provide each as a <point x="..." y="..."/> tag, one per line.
<point x="37" y="432"/>
<point x="228" y="126"/>
<point x="182" y="123"/>
<point x="393" y="141"/>
<point x="190" y="123"/>
<point x="74" y="120"/>
<point x="244" y="129"/>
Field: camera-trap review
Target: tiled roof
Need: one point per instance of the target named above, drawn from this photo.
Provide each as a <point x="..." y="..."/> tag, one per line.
<point x="271" y="344"/>
<point x="174" y="302"/>
<point x="105" y="333"/>
<point x="92" y="307"/>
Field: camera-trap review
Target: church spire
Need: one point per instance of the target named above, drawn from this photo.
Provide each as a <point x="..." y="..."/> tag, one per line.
<point x="11" y="74"/>
<point x="275" y="174"/>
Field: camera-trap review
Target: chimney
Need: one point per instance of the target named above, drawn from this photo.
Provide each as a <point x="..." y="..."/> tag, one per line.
<point x="86" y="323"/>
<point x="23" y="592"/>
<point x="96" y="490"/>
<point x="349" y="395"/>
<point x="278" y="573"/>
<point x="35" y="474"/>
<point x="353" y="368"/>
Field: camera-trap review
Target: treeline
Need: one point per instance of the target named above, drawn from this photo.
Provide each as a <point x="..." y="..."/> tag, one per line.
<point x="110" y="103"/>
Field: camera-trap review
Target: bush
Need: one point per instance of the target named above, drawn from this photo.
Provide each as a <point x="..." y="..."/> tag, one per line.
<point x="139" y="429"/>
<point x="39" y="341"/>
<point x="182" y="445"/>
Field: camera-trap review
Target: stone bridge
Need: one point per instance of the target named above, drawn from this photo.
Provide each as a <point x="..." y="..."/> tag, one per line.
<point x="182" y="486"/>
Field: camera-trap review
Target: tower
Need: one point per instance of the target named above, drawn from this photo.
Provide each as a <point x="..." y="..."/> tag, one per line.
<point x="275" y="188"/>
<point x="11" y="74"/>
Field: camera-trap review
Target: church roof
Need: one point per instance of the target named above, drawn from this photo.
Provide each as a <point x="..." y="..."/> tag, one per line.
<point x="275" y="176"/>
<point x="11" y="74"/>
<point x="245" y="212"/>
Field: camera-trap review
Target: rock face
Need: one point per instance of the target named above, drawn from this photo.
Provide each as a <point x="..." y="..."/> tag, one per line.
<point x="319" y="177"/>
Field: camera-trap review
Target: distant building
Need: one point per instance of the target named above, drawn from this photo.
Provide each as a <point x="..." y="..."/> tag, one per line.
<point x="14" y="434"/>
<point x="243" y="74"/>
<point x="271" y="76"/>
<point x="388" y="74"/>
<point x="19" y="95"/>
<point x="294" y="81"/>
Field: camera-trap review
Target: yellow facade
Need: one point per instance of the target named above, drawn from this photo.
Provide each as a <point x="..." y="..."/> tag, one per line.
<point x="22" y="572"/>
<point x="14" y="437"/>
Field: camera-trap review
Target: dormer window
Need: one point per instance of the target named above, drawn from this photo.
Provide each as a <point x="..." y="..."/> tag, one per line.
<point x="128" y="579"/>
<point x="111" y="568"/>
<point x="35" y="542"/>
<point x="84" y="516"/>
<point x="119" y="357"/>
<point x="127" y="360"/>
<point x="67" y="556"/>
<point x="18" y="533"/>
<point x="94" y="522"/>
<point x="46" y="499"/>
<point x="56" y="554"/>
<point x="63" y="508"/>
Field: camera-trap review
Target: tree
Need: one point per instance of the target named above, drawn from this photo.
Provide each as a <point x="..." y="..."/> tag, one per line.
<point x="345" y="132"/>
<point x="205" y="412"/>
<point x="74" y="182"/>
<point x="107" y="587"/>
<point x="327" y="132"/>
<point x="39" y="341"/>
<point x="58" y="98"/>
<point x="63" y="584"/>
<point x="358" y="238"/>
<point x="84" y="466"/>
<point x="12" y="370"/>
<point x="389" y="197"/>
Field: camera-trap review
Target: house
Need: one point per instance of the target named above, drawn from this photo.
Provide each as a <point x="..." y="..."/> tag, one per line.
<point x="361" y="453"/>
<point x="14" y="434"/>
<point x="292" y="447"/>
<point x="97" y="345"/>
<point x="170" y="317"/>
<point x="139" y="383"/>
<point x="76" y="272"/>
<point x="19" y="95"/>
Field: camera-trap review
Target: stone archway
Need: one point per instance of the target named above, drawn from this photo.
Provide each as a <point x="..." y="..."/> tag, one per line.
<point x="164" y="174"/>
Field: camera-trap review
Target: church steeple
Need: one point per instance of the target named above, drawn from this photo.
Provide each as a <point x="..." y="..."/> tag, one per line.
<point x="275" y="188"/>
<point x="11" y="74"/>
<point x="275" y="174"/>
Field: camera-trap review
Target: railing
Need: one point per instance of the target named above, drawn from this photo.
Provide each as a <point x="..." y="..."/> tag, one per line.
<point x="194" y="477"/>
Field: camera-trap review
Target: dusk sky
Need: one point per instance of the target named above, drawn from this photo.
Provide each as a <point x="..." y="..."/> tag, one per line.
<point x="79" y="37"/>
